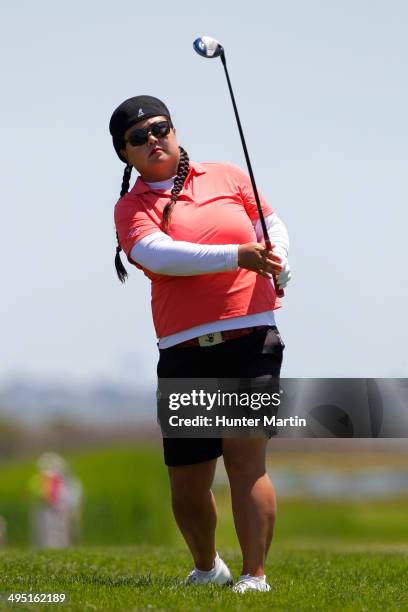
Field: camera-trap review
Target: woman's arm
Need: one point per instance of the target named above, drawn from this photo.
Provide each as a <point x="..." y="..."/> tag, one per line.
<point x="277" y="232"/>
<point x="159" y="253"/>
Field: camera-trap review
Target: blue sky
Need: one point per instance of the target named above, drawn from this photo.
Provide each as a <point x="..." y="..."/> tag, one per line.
<point x="322" y="92"/>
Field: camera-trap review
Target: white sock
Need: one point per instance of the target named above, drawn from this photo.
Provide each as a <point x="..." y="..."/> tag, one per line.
<point x="246" y="576"/>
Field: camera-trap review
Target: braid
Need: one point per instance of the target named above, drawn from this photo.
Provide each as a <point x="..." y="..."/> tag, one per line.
<point x="120" y="268"/>
<point x="126" y="180"/>
<point x="182" y="171"/>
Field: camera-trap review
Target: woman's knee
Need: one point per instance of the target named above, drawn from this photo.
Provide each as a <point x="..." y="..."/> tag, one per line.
<point x="192" y="481"/>
<point x="245" y="458"/>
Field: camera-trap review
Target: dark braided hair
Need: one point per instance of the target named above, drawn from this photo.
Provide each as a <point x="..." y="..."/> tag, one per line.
<point x="120" y="268"/>
<point x="182" y="171"/>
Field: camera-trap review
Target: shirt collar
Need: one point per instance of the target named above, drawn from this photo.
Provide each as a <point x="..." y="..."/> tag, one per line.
<point x="141" y="187"/>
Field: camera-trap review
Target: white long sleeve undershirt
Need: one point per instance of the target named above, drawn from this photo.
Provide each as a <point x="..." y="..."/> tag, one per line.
<point x="161" y="254"/>
<point x="277" y="232"/>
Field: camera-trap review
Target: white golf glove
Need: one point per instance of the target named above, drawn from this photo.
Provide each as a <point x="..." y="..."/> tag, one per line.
<point x="279" y="237"/>
<point x="285" y="276"/>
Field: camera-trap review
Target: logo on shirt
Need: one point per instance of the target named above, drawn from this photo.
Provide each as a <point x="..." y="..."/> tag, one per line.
<point x="133" y="233"/>
<point x="140" y="113"/>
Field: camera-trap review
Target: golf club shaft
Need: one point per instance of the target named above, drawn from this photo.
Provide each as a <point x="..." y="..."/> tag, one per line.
<point x="279" y="292"/>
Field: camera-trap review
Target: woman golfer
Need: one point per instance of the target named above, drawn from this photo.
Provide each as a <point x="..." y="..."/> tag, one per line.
<point x="192" y="228"/>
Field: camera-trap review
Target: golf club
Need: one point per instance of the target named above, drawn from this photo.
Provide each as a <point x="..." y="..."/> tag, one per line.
<point x="209" y="47"/>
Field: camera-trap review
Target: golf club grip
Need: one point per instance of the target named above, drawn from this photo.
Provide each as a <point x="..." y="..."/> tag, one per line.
<point x="279" y="292"/>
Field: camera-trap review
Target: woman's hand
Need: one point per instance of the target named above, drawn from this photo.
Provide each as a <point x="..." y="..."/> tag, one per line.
<point x="253" y="256"/>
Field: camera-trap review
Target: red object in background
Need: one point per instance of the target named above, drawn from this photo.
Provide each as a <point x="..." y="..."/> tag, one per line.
<point x="51" y="488"/>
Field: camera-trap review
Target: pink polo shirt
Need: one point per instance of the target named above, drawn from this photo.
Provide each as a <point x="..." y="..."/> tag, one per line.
<point x="216" y="206"/>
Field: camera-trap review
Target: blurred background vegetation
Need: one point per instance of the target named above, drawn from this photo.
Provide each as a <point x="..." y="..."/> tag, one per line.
<point x="330" y="492"/>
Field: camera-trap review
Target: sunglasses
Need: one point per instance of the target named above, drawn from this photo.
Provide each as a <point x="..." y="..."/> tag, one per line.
<point x="139" y="136"/>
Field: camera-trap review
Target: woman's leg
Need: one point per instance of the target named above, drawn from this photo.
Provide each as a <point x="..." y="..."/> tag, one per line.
<point x="195" y="510"/>
<point x="253" y="500"/>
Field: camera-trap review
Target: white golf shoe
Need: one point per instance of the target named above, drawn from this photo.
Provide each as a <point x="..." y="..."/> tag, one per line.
<point x="251" y="583"/>
<point x="219" y="574"/>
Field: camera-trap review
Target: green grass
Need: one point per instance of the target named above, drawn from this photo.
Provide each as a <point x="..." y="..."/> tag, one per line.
<point x="349" y="555"/>
<point x="145" y="578"/>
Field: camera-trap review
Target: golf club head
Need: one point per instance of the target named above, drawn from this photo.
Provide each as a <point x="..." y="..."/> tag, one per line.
<point x="206" y="46"/>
